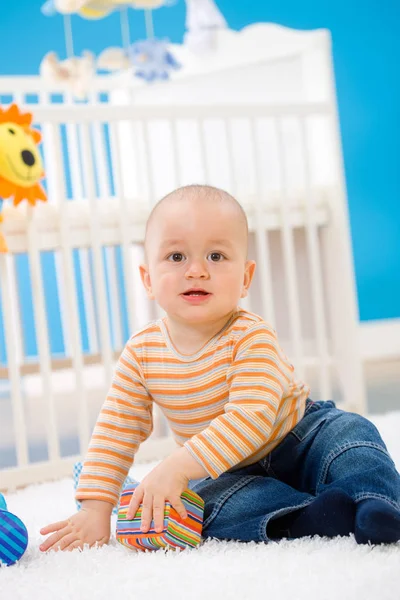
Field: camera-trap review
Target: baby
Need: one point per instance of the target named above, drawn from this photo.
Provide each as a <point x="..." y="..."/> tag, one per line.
<point x="267" y="460"/>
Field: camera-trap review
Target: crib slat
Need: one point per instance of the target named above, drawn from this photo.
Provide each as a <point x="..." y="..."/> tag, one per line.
<point x="314" y="257"/>
<point x="111" y="265"/>
<point x="175" y="153"/>
<point x="41" y="327"/>
<point x="71" y="299"/>
<point x="151" y="197"/>
<point x="48" y="143"/>
<point x="74" y="159"/>
<point x="18" y="98"/>
<point x="289" y="254"/>
<point x="99" y="276"/>
<point x="110" y="253"/>
<point x="19" y="344"/>
<point x="88" y="299"/>
<point x="203" y="149"/>
<point x="9" y="319"/>
<point x="74" y="146"/>
<point x="152" y="200"/>
<point x="244" y="302"/>
<point x="127" y="262"/>
<point x="101" y="160"/>
<point x="263" y="254"/>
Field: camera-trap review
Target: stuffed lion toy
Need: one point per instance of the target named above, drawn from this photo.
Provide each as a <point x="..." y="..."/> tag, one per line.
<point x="21" y="166"/>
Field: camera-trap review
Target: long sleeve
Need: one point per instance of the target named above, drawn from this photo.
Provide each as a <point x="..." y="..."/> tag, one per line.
<point x="258" y="378"/>
<point x="124" y="422"/>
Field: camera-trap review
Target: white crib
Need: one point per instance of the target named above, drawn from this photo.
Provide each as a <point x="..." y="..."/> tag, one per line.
<point x="258" y="117"/>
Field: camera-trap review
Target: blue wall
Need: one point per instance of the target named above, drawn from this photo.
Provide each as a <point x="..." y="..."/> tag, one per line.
<point x="366" y="45"/>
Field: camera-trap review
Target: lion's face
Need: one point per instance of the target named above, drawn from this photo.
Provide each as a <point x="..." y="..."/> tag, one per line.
<point x="20" y="160"/>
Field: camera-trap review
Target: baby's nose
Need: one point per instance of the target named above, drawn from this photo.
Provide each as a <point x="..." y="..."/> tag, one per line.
<point x="197" y="269"/>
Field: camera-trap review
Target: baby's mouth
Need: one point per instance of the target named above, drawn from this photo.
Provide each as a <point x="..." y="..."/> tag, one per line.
<point x="196" y="293"/>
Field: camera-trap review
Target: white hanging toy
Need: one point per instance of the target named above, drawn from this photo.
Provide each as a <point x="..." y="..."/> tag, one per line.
<point x="74" y="74"/>
<point x="203" y="18"/>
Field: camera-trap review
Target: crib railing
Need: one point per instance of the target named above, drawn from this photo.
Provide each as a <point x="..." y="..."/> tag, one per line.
<point x="106" y="166"/>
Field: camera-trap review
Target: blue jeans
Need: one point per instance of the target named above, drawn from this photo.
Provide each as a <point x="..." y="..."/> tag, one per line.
<point x="328" y="448"/>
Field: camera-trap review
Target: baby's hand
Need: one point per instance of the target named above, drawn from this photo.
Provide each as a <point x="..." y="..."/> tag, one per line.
<point x="88" y="526"/>
<point x="165" y="482"/>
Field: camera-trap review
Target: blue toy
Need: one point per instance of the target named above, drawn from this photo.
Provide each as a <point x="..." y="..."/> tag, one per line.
<point x="152" y="60"/>
<point x="13" y="536"/>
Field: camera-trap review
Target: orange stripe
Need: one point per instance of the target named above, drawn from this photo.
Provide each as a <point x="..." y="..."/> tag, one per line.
<point x="115" y="386"/>
<point x="197" y="373"/>
<point x="130" y="367"/>
<point x="168" y="359"/>
<point x="250" y="362"/>
<point x="99" y="477"/>
<point x="240" y="436"/>
<point x="199" y="388"/>
<point x="236" y="434"/>
<point x="90" y="463"/>
<point x="250" y="335"/>
<point x="193" y="405"/>
<point x="93" y="450"/>
<point x="202" y="459"/>
<point x="213" y="451"/>
<point x="89" y="494"/>
<point x="248" y="424"/>
<point x="109" y="411"/>
<point x="116" y="428"/>
<point x="259" y="388"/>
<point x="192" y="421"/>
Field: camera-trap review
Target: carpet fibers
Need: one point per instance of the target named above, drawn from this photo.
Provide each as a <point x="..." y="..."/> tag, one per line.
<point x="308" y="568"/>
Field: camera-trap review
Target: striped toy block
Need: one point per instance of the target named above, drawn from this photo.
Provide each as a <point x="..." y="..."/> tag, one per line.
<point x="13" y="536"/>
<point x="177" y="533"/>
<point x="76" y="474"/>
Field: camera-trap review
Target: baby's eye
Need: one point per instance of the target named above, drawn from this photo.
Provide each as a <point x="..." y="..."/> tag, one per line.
<point x="216" y="256"/>
<point x="174" y="255"/>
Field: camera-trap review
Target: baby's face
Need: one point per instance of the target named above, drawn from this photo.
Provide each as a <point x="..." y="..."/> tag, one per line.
<point x="197" y="245"/>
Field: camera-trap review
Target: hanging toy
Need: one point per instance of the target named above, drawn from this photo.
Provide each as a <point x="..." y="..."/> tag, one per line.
<point x="203" y="18"/>
<point x="149" y="4"/>
<point x="74" y="74"/>
<point x="21" y="166"/>
<point x="152" y="59"/>
<point x="95" y="9"/>
<point x="113" y="59"/>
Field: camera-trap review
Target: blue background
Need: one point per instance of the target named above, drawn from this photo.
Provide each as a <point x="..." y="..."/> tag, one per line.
<point x="366" y="46"/>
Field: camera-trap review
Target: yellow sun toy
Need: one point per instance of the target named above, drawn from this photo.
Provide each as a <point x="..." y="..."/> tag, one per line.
<point x="21" y="166"/>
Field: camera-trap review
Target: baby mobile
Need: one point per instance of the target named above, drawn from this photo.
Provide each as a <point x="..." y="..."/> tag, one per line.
<point x="149" y="59"/>
<point x="21" y="166"/>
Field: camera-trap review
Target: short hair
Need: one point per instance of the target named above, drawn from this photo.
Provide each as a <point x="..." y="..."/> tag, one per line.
<point x="194" y="190"/>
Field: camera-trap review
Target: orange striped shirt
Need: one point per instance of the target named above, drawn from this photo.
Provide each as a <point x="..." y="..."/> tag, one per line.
<point x="229" y="404"/>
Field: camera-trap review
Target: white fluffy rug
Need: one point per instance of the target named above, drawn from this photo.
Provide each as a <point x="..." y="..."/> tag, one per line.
<point x="306" y="569"/>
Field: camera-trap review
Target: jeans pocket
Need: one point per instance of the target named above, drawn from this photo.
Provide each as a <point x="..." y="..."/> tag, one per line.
<point x="315" y="415"/>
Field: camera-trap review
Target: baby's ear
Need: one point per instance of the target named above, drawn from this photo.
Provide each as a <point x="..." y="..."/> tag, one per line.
<point x="248" y="276"/>
<point x="145" y="277"/>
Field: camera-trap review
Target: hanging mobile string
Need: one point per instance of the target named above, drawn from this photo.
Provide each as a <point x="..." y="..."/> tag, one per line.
<point x="69" y="40"/>
<point x="125" y="31"/>
<point x="148" y="16"/>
